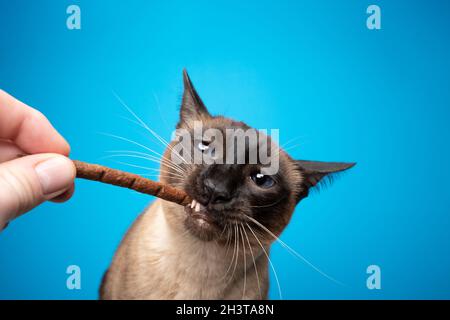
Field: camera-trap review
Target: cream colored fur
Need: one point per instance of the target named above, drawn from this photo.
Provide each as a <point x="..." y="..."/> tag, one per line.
<point x="160" y="259"/>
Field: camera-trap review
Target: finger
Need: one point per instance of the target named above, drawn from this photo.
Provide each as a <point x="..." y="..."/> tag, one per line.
<point x="66" y="195"/>
<point x="28" y="181"/>
<point x="28" y="128"/>
<point x="9" y="151"/>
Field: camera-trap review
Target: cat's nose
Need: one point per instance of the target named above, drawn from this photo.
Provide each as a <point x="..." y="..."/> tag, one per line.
<point x="216" y="191"/>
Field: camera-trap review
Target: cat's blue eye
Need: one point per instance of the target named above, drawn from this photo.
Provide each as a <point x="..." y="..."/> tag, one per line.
<point x="262" y="180"/>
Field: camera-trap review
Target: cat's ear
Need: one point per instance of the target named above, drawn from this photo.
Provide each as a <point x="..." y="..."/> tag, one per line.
<point x="192" y="106"/>
<point x="314" y="171"/>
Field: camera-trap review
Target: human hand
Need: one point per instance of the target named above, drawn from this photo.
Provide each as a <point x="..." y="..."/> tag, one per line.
<point x="45" y="174"/>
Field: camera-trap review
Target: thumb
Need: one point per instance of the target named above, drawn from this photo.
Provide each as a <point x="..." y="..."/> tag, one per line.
<point x="28" y="181"/>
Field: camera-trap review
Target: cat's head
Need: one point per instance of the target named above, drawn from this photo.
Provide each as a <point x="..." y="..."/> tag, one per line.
<point x="234" y="192"/>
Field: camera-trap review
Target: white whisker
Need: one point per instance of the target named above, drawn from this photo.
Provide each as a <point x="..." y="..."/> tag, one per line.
<point x="146" y="168"/>
<point x="157" y="136"/>
<point x="293" y="252"/>
<point x="149" y="158"/>
<point x="157" y="176"/>
<point x="245" y="262"/>
<point x="237" y="253"/>
<point x="270" y="261"/>
<point x="131" y="141"/>
<point x="166" y="172"/>
<point x="292" y="147"/>
<point x="159" y="110"/>
<point x="232" y="258"/>
<point x="254" y="262"/>
<point x="131" y="120"/>
<point x="284" y="145"/>
<point x="146" y="155"/>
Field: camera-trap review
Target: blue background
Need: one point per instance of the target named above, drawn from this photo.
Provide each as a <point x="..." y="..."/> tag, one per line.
<point x="310" y="68"/>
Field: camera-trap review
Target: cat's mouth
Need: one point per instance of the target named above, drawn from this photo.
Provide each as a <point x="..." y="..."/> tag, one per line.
<point x="199" y="221"/>
<point x="198" y="212"/>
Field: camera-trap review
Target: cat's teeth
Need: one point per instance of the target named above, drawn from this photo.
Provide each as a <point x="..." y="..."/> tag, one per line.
<point x="193" y="203"/>
<point x="197" y="207"/>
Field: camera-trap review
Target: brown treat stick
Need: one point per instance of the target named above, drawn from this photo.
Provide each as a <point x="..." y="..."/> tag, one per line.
<point x="132" y="181"/>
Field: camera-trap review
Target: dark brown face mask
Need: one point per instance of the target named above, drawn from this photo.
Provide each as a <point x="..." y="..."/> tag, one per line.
<point x="230" y="193"/>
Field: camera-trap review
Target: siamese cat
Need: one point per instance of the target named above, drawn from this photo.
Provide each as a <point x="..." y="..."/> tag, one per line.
<point x="218" y="246"/>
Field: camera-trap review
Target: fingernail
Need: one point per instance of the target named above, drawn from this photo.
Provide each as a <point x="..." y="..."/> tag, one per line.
<point x="55" y="174"/>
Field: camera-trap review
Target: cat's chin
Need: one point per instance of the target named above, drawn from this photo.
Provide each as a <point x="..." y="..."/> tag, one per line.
<point x="200" y="224"/>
